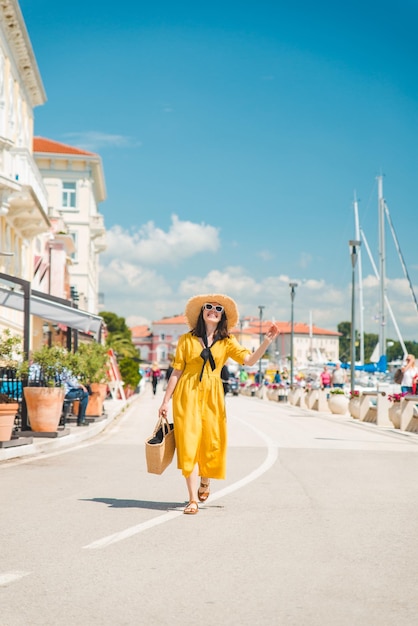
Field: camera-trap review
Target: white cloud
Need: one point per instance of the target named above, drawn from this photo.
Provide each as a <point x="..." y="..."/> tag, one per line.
<point x="136" y="320"/>
<point x="137" y="286"/>
<point x="314" y="285"/>
<point x="95" y="141"/>
<point x="151" y="245"/>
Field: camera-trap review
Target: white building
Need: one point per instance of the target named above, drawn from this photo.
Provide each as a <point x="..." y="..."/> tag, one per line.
<point x="75" y="185"/>
<point x="40" y="260"/>
<point x="23" y="198"/>
<point x="311" y="344"/>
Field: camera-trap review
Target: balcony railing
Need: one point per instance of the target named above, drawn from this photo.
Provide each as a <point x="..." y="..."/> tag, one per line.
<point x="97" y="227"/>
<point x="25" y="172"/>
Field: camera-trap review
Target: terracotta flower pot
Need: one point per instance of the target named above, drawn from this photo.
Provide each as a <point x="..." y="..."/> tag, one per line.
<point x="7" y="419"/>
<point x="96" y="399"/>
<point x="101" y="388"/>
<point x="44" y="407"/>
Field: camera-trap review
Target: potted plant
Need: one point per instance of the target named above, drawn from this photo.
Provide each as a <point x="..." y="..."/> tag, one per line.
<point x="394" y="410"/>
<point x="45" y="394"/>
<point x="8" y="411"/>
<point x="338" y="401"/>
<point x="11" y="388"/>
<point x="272" y="391"/>
<point x="92" y="368"/>
<point x="354" y="404"/>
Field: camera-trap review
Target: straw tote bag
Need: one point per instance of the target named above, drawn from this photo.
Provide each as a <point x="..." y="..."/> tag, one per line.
<point x="159" y="448"/>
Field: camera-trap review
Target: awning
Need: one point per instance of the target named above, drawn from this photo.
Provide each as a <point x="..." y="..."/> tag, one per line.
<point x="55" y="310"/>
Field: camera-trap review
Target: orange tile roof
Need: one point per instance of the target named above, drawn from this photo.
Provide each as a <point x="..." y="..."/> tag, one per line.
<point x="140" y="331"/>
<point x="285" y="328"/>
<point x="250" y="330"/>
<point x="177" y="319"/>
<point x="40" y="144"/>
<point x="253" y="327"/>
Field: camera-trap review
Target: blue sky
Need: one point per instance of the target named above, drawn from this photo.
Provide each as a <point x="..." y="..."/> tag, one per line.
<point x="233" y="137"/>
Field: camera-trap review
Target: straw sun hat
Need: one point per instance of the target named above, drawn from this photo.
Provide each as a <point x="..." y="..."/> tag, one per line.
<point x="194" y="306"/>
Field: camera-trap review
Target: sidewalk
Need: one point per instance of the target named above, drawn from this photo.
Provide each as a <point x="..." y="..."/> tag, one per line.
<point x="149" y="402"/>
<point x="41" y="445"/>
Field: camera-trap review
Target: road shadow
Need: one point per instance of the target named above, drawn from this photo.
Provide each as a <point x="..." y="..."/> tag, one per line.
<point x="117" y="503"/>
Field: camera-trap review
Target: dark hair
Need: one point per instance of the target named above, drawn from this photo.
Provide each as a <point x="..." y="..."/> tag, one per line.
<point x="221" y="331"/>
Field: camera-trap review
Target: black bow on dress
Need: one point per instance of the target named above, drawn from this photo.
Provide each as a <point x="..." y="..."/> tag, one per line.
<point x="207" y="355"/>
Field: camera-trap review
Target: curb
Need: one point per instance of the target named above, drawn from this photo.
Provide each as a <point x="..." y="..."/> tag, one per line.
<point x="41" y="445"/>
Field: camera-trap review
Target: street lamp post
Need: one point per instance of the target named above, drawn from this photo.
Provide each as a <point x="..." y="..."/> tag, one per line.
<point x="354" y="244"/>
<point x="261" y="341"/>
<point x="292" y="298"/>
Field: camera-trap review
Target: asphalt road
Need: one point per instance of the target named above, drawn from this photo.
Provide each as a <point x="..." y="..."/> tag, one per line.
<point x="315" y="525"/>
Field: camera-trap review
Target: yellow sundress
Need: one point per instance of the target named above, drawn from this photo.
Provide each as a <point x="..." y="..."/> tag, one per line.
<point x="199" y="406"/>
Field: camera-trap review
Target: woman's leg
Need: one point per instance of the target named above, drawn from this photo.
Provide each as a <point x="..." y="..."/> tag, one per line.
<point x="204" y="489"/>
<point x="191" y="482"/>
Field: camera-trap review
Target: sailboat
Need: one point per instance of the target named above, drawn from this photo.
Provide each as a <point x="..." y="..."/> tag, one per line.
<point x="378" y="359"/>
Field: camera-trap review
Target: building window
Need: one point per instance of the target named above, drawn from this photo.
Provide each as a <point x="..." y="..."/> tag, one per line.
<point x="74" y="255"/>
<point x="69" y="195"/>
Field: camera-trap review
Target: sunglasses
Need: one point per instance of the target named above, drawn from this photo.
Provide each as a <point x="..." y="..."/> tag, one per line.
<point x="218" y="308"/>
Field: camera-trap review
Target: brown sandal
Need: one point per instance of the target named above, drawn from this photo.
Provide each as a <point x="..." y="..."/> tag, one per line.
<point x="192" y="508"/>
<point x="203" y="491"/>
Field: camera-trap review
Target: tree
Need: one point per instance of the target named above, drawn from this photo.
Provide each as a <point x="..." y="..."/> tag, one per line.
<point x="370" y="341"/>
<point x="116" y="324"/>
<point x="119" y="338"/>
<point x="345" y="329"/>
<point x="122" y="346"/>
<point x="129" y="372"/>
<point x="395" y="351"/>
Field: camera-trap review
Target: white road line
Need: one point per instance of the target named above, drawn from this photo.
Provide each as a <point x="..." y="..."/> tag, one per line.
<point x="11" y="577"/>
<point x="271" y="458"/>
<point x="133" y="530"/>
<point x="269" y="461"/>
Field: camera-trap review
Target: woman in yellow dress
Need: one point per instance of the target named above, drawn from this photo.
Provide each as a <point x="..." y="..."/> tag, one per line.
<point x="196" y="387"/>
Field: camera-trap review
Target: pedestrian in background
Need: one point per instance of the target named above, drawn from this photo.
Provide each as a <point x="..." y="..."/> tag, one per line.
<point x="155" y="377"/>
<point x="225" y="378"/>
<point x="167" y="376"/>
<point x="409" y="372"/>
<point x="74" y="390"/>
<point x="277" y="378"/>
<point x="325" y="378"/>
<point x="339" y="377"/>
<point x="198" y="396"/>
<point x="243" y="375"/>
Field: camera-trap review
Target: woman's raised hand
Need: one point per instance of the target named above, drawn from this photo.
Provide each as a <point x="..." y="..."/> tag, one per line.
<point x="272" y="332"/>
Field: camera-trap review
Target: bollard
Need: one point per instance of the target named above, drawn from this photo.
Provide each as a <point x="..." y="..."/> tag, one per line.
<point x="383" y="404"/>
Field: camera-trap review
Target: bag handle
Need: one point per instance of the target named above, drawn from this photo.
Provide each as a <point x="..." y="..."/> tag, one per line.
<point x="164" y="424"/>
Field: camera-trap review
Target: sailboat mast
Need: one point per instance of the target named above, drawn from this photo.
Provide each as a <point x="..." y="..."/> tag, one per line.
<point x="360" y="280"/>
<point x="382" y="263"/>
<point x="389" y="308"/>
<point x="310" y="335"/>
